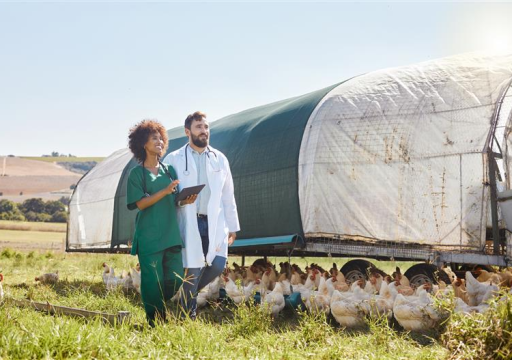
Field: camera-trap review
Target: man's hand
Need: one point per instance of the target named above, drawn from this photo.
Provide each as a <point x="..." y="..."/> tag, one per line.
<point x="189" y="200"/>
<point x="231" y="238"/>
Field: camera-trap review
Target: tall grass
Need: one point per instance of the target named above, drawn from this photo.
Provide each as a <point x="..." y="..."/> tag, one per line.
<point x="482" y="336"/>
<point x="32" y="226"/>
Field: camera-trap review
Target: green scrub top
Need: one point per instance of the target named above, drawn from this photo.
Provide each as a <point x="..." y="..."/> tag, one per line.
<point x="156" y="227"/>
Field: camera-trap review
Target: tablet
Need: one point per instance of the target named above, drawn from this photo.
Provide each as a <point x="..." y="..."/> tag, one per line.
<point x="186" y="192"/>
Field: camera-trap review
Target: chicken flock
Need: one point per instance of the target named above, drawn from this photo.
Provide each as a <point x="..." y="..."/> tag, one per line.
<point x="350" y="304"/>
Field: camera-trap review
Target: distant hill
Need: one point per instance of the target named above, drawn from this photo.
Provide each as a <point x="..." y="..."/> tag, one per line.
<point x="63" y="158"/>
<point x="27" y="178"/>
<point x="79" y="165"/>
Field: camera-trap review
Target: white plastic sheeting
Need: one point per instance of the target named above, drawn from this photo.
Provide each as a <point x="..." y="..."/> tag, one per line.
<point x="396" y="154"/>
<point x="92" y="204"/>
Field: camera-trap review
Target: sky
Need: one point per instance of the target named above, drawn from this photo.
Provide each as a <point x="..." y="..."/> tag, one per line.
<point x="75" y="76"/>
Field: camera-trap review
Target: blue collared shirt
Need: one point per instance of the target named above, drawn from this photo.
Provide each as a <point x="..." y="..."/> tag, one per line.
<point x="202" y="178"/>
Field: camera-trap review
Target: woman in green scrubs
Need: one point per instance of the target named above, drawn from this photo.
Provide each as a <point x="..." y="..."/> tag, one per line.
<point x="157" y="242"/>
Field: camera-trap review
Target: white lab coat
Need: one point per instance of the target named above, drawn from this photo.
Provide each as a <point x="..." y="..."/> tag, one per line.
<point x="222" y="213"/>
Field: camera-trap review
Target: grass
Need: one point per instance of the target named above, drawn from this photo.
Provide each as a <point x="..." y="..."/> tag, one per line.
<point x="63" y="158"/>
<point x="16" y="236"/>
<point x="221" y="332"/>
<point x="32" y="226"/>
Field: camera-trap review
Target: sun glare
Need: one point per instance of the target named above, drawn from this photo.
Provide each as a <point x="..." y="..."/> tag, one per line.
<point x="498" y="42"/>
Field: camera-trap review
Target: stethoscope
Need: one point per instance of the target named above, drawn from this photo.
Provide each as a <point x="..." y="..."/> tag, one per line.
<point x="146" y="194"/>
<point x="208" y="151"/>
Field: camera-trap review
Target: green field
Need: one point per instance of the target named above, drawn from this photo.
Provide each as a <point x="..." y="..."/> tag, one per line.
<point x="221" y="332"/>
<point x="32" y="235"/>
<point x="32" y="226"/>
<point x="63" y="158"/>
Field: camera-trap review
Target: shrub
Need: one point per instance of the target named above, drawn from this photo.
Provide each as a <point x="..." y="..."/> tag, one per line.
<point x="14" y="216"/>
<point x="33" y="205"/>
<point x="60" y="216"/>
<point x="8" y="253"/>
<point x="7" y="205"/>
<point x="52" y="207"/>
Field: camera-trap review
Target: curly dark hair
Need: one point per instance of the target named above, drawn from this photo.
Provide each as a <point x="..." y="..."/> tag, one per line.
<point x="139" y="135"/>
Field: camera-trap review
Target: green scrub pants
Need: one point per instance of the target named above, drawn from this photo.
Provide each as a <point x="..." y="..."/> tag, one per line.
<point x="161" y="277"/>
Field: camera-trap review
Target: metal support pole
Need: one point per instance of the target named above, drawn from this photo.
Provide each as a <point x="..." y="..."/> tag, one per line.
<point x="494" y="203"/>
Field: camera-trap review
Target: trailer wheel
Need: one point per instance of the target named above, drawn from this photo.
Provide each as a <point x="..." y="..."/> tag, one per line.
<point x="473" y="268"/>
<point x="356" y="270"/>
<point x="420" y="274"/>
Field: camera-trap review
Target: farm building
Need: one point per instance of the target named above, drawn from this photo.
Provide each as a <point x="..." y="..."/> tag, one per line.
<point x="399" y="163"/>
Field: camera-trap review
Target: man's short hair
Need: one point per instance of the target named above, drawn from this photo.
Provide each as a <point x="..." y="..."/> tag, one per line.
<point x="198" y="116"/>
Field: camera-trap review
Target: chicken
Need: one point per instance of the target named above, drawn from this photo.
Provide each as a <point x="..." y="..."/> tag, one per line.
<point x="1" y="288"/>
<point x="477" y="290"/>
<point x="319" y="301"/>
<point x="49" y="278"/>
<point x="307" y="289"/>
<point x="238" y="294"/>
<point x="109" y="278"/>
<point x="350" y="308"/>
<point x="209" y="293"/>
<point x="135" y="275"/>
<point x="402" y="283"/>
<point x="269" y="278"/>
<point x="506" y="278"/>
<point x="484" y="275"/>
<point x="126" y="281"/>
<point x="233" y="291"/>
<point x="287" y="286"/>
<point x="416" y="313"/>
<point x="251" y="274"/>
<point x="382" y="304"/>
<point x="450" y="273"/>
<point x="339" y="282"/>
<point x="274" y="301"/>
<point x="459" y="288"/>
<point x="462" y="307"/>
<point x="295" y="280"/>
<point x="374" y="283"/>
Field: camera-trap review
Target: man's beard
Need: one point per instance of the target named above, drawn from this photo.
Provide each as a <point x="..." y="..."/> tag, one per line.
<point x="198" y="142"/>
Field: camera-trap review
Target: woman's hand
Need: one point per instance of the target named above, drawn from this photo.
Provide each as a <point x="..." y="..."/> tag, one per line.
<point x="172" y="186"/>
<point x="189" y="200"/>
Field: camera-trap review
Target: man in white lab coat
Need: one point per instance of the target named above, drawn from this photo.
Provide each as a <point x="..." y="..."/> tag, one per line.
<point x="209" y="224"/>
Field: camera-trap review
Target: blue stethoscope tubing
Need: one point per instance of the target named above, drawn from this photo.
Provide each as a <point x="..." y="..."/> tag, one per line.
<point x="208" y="151"/>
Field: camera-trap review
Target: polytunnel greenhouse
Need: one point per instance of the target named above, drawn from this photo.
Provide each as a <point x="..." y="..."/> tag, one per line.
<point x="395" y="163"/>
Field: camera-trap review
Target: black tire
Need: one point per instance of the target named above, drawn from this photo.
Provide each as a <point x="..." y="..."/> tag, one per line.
<point x="421" y="273"/>
<point x="473" y="268"/>
<point x="358" y="269"/>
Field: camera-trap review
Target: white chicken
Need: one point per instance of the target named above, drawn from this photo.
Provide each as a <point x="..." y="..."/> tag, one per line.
<point x="374" y="283"/>
<point x="350" y="308"/>
<point x="274" y="301"/>
<point x="49" y="278"/>
<point x="135" y="275"/>
<point x="462" y="307"/>
<point x="477" y="290"/>
<point x="319" y="301"/>
<point x="382" y="304"/>
<point x="209" y="293"/>
<point x="109" y="277"/>
<point x="416" y="313"/>
<point x="238" y="294"/>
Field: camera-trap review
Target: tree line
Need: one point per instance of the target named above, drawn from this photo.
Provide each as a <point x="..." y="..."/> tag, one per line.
<point x="35" y="209"/>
